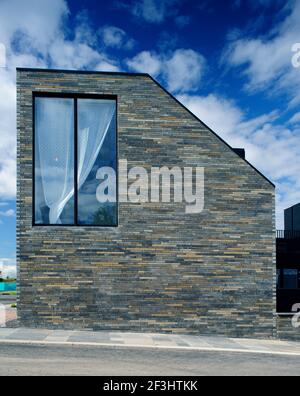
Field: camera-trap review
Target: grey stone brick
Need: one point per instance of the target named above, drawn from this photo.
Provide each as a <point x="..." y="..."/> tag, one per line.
<point x="160" y="270"/>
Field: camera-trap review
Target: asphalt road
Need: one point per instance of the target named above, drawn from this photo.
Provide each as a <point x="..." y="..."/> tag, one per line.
<point x="65" y="360"/>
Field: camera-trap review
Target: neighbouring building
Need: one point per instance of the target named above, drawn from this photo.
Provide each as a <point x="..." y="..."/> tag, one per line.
<point x="292" y="218"/>
<point x="144" y="266"/>
<point x="288" y="261"/>
<point x="288" y="271"/>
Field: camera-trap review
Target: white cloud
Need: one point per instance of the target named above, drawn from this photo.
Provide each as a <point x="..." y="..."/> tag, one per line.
<point x="2" y="55"/>
<point x="34" y="33"/>
<point x="182" y="70"/>
<point x="31" y="25"/>
<point x="8" y="267"/>
<point x="295" y="119"/>
<point x="146" y="62"/>
<point x="266" y="60"/>
<point x="8" y="135"/>
<point x="270" y="146"/>
<point x="218" y="113"/>
<point x="115" y="37"/>
<point x="153" y="11"/>
<point x="75" y="55"/>
<point x="7" y="213"/>
<point x="39" y="21"/>
<point x="107" y="66"/>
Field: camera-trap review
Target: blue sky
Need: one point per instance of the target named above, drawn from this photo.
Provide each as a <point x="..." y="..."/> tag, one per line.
<point x="228" y="61"/>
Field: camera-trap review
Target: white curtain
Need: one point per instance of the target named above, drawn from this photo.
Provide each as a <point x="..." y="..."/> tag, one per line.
<point x="55" y="143"/>
<point x="94" y="119"/>
<point x="55" y="138"/>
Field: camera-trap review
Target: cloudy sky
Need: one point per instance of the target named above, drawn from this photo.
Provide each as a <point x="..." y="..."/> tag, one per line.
<point x="229" y="62"/>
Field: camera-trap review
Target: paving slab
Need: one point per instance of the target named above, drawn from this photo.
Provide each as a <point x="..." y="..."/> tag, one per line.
<point x="91" y="337"/>
<point x="146" y="340"/>
<point x="5" y="332"/>
<point x="28" y="334"/>
<point x="195" y="341"/>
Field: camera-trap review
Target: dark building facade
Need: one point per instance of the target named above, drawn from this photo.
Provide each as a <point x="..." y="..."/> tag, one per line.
<point x="292" y="218"/>
<point x="288" y="261"/>
<point x="145" y="266"/>
<point x="288" y="274"/>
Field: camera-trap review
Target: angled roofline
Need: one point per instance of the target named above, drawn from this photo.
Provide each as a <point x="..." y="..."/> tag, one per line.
<point x="69" y="71"/>
<point x="293" y="206"/>
<point x="214" y="133"/>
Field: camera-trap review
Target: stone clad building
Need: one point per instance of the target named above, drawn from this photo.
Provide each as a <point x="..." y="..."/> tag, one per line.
<point x="145" y="266"/>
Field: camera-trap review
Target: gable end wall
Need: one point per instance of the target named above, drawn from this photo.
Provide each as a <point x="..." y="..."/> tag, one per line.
<point x="161" y="270"/>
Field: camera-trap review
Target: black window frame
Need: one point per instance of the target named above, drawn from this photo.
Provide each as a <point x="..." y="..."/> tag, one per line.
<point x="75" y="97"/>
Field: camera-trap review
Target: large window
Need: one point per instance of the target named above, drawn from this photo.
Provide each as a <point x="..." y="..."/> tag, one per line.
<point x="73" y="138"/>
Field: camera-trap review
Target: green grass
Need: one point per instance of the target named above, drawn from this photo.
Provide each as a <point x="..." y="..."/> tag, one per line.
<point x="8" y="293"/>
<point x="9" y="280"/>
<point x="13" y="306"/>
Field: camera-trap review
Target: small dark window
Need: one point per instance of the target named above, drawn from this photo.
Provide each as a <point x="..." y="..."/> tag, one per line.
<point x="290" y="278"/>
<point x="74" y="138"/>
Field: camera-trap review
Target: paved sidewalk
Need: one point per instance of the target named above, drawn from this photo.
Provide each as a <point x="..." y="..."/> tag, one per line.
<point x="8" y="315"/>
<point x="144" y="340"/>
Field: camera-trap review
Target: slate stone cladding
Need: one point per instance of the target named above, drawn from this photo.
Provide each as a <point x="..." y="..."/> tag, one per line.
<point x="161" y="270"/>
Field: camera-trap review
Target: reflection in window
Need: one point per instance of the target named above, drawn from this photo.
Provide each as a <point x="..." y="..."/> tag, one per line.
<point x="278" y="279"/>
<point x="96" y="149"/>
<point x="55" y="144"/>
<point x="290" y="279"/>
<point x="54" y="161"/>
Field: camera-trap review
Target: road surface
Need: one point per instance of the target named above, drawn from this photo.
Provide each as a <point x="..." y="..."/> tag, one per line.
<point x="38" y="360"/>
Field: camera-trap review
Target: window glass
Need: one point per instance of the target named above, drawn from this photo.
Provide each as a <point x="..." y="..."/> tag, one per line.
<point x="278" y="278"/>
<point x="54" y="161"/>
<point x="96" y="150"/>
<point x="56" y="165"/>
<point x="290" y="279"/>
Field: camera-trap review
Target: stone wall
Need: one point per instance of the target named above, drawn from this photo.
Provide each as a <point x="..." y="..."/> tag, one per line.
<point x="160" y="270"/>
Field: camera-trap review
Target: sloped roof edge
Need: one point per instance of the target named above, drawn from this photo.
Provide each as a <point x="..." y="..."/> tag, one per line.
<point x="156" y="82"/>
